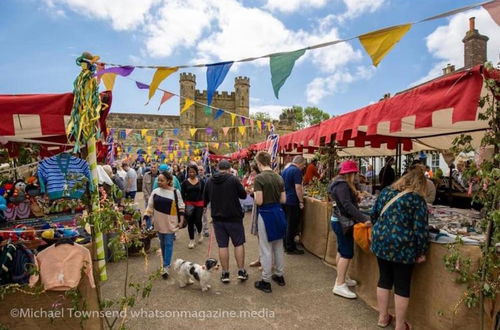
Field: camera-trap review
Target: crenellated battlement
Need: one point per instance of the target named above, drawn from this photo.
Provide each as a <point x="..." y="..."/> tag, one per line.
<point x="242" y="80"/>
<point x="187" y="76"/>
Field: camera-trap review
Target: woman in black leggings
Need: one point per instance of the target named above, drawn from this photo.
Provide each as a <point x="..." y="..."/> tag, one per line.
<point x="192" y="194"/>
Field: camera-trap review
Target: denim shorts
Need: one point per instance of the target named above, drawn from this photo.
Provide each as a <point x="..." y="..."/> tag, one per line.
<point x="345" y="243"/>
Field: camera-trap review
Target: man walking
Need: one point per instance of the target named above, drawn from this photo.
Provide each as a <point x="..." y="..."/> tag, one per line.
<point x="130" y="181"/>
<point x="292" y="176"/>
<point x="387" y="175"/>
<point x="148" y="181"/>
<point x="269" y="193"/>
<point x="223" y="191"/>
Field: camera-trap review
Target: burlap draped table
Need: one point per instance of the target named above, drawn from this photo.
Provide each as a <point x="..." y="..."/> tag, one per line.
<point x="434" y="293"/>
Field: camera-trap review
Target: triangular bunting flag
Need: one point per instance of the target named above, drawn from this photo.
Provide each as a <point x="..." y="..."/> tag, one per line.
<point x="181" y="144"/>
<point x="225" y="130"/>
<point x="281" y="68"/>
<point x="122" y="135"/>
<point x="269" y="126"/>
<point x="242" y="129"/>
<point x="208" y="110"/>
<point x="215" y="76"/>
<point x="378" y="43"/>
<point x="109" y="80"/>
<point x="176" y="131"/>
<point x="141" y="85"/>
<point x="117" y="70"/>
<point x="148" y="139"/>
<point x="243" y="120"/>
<point x="187" y="104"/>
<point x="159" y="132"/>
<point x="218" y="114"/>
<point x="251" y="123"/>
<point x="128" y="131"/>
<point x="144" y="131"/>
<point x="233" y="118"/>
<point x="227" y="145"/>
<point x="166" y="96"/>
<point x="216" y="146"/>
<point x="259" y="125"/>
<point x="493" y="8"/>
<point x="192" y="131"/>
<point x="160" y="75"/>
<point x="209" y="130"/>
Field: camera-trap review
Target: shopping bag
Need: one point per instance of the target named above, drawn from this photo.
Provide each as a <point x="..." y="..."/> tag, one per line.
<point x="363" y="236"/>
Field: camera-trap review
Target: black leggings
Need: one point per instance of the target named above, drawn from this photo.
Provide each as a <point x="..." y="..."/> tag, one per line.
<point x="395" y="274"/>
<point x="195" y="220"/>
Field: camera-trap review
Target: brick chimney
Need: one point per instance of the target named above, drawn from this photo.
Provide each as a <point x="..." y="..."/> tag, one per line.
<point x="474" y="46"/>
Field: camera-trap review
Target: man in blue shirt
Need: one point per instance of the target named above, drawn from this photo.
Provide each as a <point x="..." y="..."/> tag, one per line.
<point x="292" y="176"/>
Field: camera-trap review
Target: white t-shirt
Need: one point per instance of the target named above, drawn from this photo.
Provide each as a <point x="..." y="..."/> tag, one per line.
<point x="131" y="180"/>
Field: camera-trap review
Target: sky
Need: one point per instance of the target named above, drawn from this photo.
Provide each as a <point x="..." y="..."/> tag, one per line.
<point x="42" y="38"/>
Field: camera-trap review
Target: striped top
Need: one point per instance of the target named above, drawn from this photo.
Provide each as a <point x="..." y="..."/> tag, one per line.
<point x="161" y="206"/>
<point x="59" y="174"/>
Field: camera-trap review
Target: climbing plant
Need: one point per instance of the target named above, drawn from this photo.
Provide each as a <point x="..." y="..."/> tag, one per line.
<point x="482" y="280"/>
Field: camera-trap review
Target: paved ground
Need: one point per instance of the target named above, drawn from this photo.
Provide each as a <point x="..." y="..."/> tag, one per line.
<point x="305" y="301"/>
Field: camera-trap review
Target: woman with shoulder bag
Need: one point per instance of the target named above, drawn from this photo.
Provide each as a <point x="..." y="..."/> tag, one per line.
<point x="346" y="214"/>
<point x="192" y="193"/>
<point x="167" y="208"/>
<point x="399" y="240"/>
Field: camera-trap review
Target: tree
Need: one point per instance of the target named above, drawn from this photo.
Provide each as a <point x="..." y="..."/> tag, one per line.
<point x="313" y="116"/>
<point x="261" y="116"/>
<point x="303" y="117"/>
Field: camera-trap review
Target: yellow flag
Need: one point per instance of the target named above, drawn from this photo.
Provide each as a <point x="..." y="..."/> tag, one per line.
<point x="226" y="144"/>
<point x="144" y="131"/>
<point x="259" y="125"/>
<point x="109" y="80"/>
<point x="233" y="118"/>
<point x="187" y="104"/>
<point x="242" y="129"/>
<point x="192" y="131"/>
<point x="269" y="126"/>
<point x="171" y="156"/>
<point x="216" y="146"/>
<point x="158" y="77"/>
<point x="148" y="139"/>
<point x="378" y="43"/>
<point x="181" y="144"/>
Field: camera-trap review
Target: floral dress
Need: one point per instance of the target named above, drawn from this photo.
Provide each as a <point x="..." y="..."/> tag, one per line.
<point x="400" y="234"/>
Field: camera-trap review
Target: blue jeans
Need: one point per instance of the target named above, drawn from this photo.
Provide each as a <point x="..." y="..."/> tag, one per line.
<point x="130" y="194"/>
<point x="167" y="247"/>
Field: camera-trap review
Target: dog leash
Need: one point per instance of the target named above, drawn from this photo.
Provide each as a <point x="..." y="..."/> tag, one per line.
<point x="210" y="241"/>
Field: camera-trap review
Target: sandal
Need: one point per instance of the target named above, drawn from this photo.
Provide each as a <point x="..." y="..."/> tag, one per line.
<point x="386" y="324"/>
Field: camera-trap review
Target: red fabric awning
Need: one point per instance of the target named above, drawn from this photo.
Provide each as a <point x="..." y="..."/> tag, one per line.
<point x="33" y="116"/>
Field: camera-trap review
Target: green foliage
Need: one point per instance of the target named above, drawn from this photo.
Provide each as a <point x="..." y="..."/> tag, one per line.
<point x="303" y="117"/>
<point x="261" y="116"/>
<point x="483" y="281"/>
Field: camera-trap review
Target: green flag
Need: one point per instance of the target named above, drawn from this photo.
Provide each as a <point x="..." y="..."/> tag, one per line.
<point x="281" y="68"/>
<point x="208" y="111"/>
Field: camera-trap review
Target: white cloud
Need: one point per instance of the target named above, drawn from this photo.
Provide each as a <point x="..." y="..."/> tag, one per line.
<point x="321" y="87"/>
<point x="123" y="14"/>
<point x="356" y="8"/>
<point x="445" y="42"/>
<point x="289" y="6"/>
<point x="273" y="110"/>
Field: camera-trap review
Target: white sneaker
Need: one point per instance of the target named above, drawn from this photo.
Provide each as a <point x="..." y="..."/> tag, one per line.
<point x="191" y="245"/>
<point x="200" y="238"/>
<point x="350" y="282"/>
<point x="343" y="291"/>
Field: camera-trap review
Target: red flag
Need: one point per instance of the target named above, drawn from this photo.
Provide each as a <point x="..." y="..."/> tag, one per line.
<point x="166" y="96"/>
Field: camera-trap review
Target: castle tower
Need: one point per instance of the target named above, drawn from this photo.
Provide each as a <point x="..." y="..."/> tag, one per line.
<point x="474" y="46"/>
<point x="187" y="83"/>
<point x="242" y="97"/>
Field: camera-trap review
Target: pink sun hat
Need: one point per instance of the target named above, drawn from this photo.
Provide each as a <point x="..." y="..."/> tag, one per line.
<point x="349" y="166"/>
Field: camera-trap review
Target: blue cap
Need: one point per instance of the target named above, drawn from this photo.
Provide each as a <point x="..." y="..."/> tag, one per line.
<point x="164" y="167"/>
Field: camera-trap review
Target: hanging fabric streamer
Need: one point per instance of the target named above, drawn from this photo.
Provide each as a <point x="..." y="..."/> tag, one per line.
<point x="215" y="76"/>
<point x="110" y="156"/>
<point x="272" y="146"/>
<point x="141" y="85"/>
<point x="281" y="68"/>
<point x="166" y="96"/>
<point x="160" y="75"/>
<point x="120" y="70"/>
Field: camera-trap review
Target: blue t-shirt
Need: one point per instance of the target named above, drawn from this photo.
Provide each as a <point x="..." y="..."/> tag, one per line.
<point x="292" y="176"/>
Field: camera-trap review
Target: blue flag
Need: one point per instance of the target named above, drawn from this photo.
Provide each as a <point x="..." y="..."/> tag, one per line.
<point x="215" y="76"/>
<point x="218" y="114"/>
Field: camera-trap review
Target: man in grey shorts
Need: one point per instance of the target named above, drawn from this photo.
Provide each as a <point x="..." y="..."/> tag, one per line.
<point x="223" y="191"/>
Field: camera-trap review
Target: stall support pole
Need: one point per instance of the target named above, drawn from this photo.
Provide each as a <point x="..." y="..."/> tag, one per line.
<point x="99" y="239"/>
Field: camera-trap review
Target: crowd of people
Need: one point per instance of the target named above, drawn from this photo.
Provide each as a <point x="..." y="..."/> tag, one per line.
<point x="184" y="196"/>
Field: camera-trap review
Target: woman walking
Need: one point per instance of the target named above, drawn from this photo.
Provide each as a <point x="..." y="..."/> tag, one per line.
<point x="167" y="208"/>
<point x="345" y="195"/>
<point x="192" y="193"/>
<point x="399" y="240"/>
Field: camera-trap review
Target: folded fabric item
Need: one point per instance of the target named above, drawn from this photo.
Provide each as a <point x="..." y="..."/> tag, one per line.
<point x="274" y="220"/>
<point x="444" y="237"/>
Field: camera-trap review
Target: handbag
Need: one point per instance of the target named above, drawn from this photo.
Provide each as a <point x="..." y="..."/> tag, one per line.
<point x="189" y="210"/>
<point x="363" y="236"/>
<point x="177" y="207"/>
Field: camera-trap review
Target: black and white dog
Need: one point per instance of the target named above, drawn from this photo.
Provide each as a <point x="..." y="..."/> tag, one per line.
<point x="189" y="272"/>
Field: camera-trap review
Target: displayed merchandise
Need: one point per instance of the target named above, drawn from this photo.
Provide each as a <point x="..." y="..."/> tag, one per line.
<point x="64" y="175"/>
<point x="450" y="222"/>
<point x="16" y="262"/>
<point x="60" y="266"/>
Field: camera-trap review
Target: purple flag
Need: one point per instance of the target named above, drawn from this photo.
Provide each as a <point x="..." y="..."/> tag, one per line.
<point x="243" y="120"/>
<point x="209" y="130"/>
<point x="141" y="85"/>
<point x="119" y="70"/>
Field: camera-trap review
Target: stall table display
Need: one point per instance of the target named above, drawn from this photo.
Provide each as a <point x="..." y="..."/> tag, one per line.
<point x="434" y="291"/>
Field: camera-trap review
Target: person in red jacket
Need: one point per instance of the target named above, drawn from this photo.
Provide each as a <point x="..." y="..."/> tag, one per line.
<point x="311" y="172"/>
